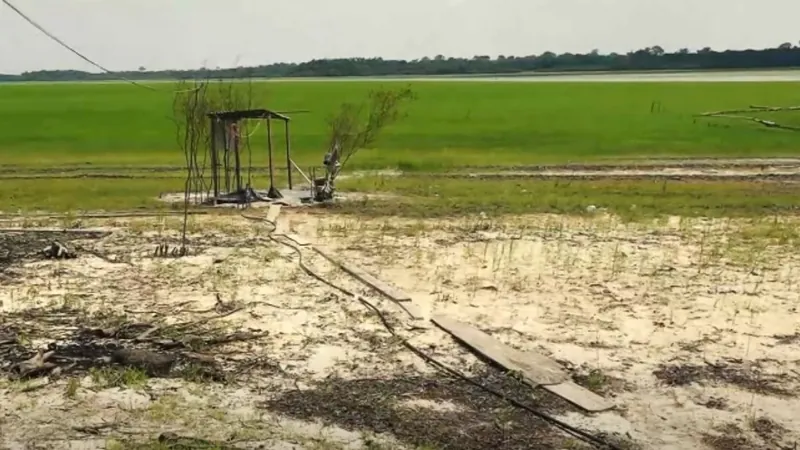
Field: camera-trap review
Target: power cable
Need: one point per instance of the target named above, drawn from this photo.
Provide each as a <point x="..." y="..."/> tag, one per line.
<point x="81" y="55"/>
<point x="577" y="432"/>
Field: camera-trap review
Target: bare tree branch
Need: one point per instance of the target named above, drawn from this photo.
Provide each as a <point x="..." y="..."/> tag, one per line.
<point x="192" y="103"/>
<point x="357" y="126"/>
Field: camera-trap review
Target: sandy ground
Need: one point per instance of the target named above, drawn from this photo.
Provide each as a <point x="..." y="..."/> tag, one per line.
<point x="690" y="326"/>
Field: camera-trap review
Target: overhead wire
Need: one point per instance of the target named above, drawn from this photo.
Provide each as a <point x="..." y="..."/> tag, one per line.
<point x="55" y="38"/>
<point x="587" y="437"/>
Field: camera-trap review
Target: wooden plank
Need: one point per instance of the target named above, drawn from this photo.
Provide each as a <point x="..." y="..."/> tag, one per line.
<point x="359" y="273"/>
<point x="579" y="396"/>
<point x="273" y="213"/>
<point x="537" y="370"/>
<point x="412" y="311"/>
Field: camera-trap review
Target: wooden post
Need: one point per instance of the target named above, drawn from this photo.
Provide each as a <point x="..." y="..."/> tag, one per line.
<point x="214" y="162"/>
<point x="313" y="173"/>
<point x="269" y="149"/>
<point x="237" y="160"/>
<point x="288" y="153"/>
<point x="226" y="156"/>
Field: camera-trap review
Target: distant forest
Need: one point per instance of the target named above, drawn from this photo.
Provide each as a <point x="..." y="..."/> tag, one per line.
<point x="785" y="55"/>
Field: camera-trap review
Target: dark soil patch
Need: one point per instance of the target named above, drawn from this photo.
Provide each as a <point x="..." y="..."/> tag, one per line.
<point x="730" y="437"/>
<point x="172" y="441"/>
<point x="20" y="246"/>
<point x="75" y="344"/>
<point x="746" y="377"/>
<point x="462" y="416"/>
<point x="768" y="430"/>
<point x="787" y="339"/>
<point x="716" y="403"/>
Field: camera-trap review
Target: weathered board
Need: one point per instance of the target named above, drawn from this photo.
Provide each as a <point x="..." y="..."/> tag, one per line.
<point x="579" y="396"/>
<point x="537" y="370"/>
<point x="359" y="273"/>
<point x="412" y="311"/>
<point x="273" y="213"/>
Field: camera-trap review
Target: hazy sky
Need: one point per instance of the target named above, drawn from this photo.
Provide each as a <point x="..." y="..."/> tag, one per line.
<point x="162" y="34"/>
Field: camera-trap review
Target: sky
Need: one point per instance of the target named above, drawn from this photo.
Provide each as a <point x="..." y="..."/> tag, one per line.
<point x="189" y="34"/>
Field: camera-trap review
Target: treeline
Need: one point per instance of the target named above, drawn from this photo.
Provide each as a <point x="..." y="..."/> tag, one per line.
<point x="651" y="58"/>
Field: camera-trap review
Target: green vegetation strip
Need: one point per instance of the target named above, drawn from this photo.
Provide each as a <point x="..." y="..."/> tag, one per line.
<point x="429" y="197"/>
<point x="420" y="196"/>
<point x="451" y="124"/>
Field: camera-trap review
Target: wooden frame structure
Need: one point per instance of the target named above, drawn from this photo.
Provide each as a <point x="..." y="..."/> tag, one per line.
<point x="226" y="177"/>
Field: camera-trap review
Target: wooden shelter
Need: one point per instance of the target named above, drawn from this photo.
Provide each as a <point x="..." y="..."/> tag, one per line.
<point x="227" y="183"/>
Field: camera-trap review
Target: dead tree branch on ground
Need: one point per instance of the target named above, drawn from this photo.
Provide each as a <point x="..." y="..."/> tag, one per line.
<point x="754" y="109"/>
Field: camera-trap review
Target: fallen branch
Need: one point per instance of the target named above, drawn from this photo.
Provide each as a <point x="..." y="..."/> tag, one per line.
<point x="775" y="108"/>
<point x="147" y="333"/>
<point x="272" y="305"/>
<point x="101" y="256"/>
<point x="766" y="123"/>
<point x="94" y="429"/>
<point x="241" y="336"/>
<point x="188" y="325"/>
<point x="35" y="365"/>
<point x="751" y="109"/>
<point x="208" y="359"/>
<point x="35" y="387"/>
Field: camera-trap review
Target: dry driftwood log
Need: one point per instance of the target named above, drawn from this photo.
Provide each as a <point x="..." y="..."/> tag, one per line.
<point x="36" y="365"/>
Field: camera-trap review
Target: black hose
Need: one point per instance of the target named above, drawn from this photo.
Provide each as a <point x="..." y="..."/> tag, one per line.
<point x="577" y="432"/>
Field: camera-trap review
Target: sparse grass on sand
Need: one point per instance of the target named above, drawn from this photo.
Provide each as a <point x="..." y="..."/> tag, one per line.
<point x="422" y="196"/>
<point x="429" y="196"/>
<point x="693" y="315"/>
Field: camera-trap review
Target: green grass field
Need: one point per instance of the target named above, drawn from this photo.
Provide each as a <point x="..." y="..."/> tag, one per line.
<point x="451" y="125"/>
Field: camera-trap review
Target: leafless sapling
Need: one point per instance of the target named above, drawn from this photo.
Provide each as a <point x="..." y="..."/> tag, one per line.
<point x="356" y="126"/>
